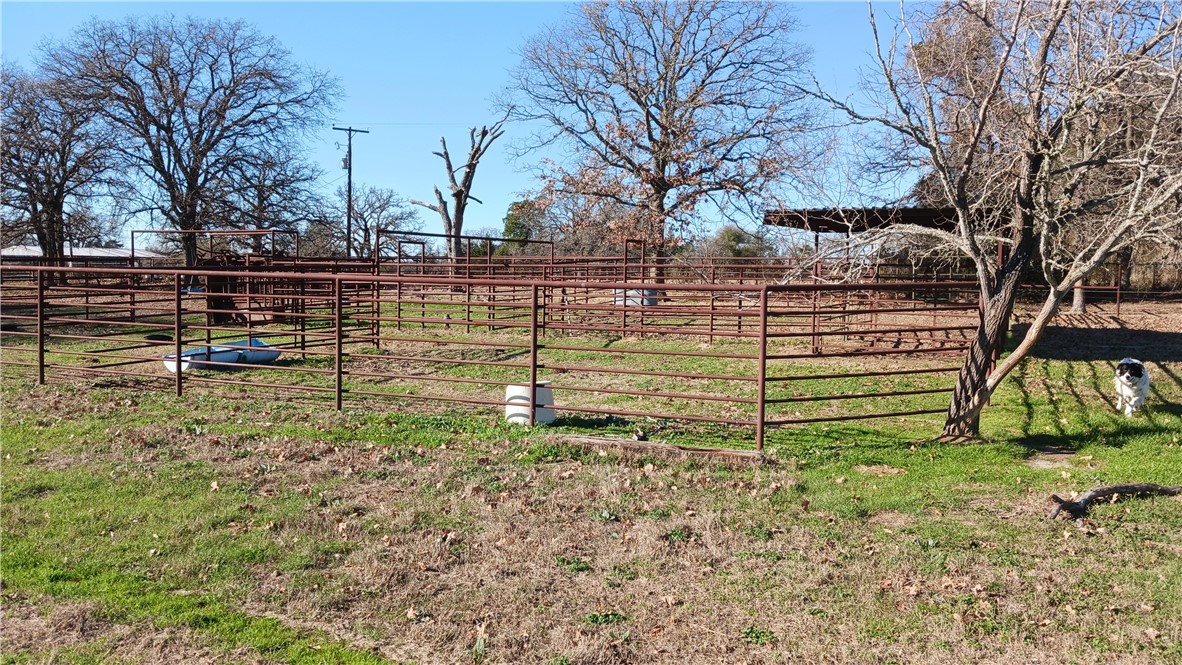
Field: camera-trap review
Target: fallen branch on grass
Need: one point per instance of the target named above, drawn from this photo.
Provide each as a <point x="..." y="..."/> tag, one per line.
<point x="1079" y="507"/>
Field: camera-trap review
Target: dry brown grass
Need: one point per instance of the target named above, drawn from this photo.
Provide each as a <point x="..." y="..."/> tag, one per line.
<point x="430" y="548"/>
<point x="75" y="631"/>
<point x="440" y="545"/>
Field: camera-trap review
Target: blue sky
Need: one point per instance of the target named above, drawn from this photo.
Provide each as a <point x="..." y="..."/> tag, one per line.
<point x="415" y="71"/>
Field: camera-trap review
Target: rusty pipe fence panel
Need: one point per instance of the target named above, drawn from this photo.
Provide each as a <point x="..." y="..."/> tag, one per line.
<point x="864" y="351"/>
<point x="669" y="270"/>
<point x="746" y="358"/>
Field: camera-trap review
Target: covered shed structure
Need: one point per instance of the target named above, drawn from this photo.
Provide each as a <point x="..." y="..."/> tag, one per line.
<point x="855" y="220"/>
<point x="81" y="256"/>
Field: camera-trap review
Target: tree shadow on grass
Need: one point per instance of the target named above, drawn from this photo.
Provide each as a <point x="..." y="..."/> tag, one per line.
<point x="838" y="437"/>
<point x="1075" y="398"/>
<point x="591" y="422"/>
<point x="1106" y="343"/>
<point x="1149" y="422"/>
<point x="1085" y="385"/>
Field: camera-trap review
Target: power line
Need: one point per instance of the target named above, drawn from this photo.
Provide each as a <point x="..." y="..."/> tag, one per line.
<point x="413" y="124"/>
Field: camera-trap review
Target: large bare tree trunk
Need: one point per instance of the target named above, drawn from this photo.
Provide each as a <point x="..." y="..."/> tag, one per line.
<point x="1079" y="300"/>
<point x="1125" y="267"/>
<point x="656" y="223"/>
<point x="973" y="390"/>
<point x="972" y="393"/>
<point x="189" y="247"/>
<point x="455" y="246"/>
<point x="51" y="240"/>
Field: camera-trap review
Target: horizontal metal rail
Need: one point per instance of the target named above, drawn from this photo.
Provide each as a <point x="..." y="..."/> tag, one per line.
<point x="720" y="353"/>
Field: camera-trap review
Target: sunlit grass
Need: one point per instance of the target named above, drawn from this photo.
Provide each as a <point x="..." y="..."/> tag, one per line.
<point x="172" y="513"/>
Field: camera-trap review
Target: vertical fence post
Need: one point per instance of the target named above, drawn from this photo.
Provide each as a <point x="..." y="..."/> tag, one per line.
<point x="533" y="353"/>
<point x="713" y="298"/>
<point x="397" y="292"/>
<point x="624" y="312"/>
<point x="492" y="306"/>
<point x="375" y="309"/>
<point x="816" y="338"/>
<point x="1120" y="278"/>
<point x="761" y="383"/>
<point x="176" y="330"/>
<point x="934" y="298"/>
<point x="213" y="303"/>
<point x="133" y="282"/>
<point x="713" y="305"/>
<point x="303" y="310"/>
<point x="40" y="328"/>
<point x="544" y="306"/>
<point x="338" y="302"/>
<point x="249" y="308"/>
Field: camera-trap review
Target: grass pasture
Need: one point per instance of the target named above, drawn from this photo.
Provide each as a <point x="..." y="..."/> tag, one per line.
<point x="222" y="527"/>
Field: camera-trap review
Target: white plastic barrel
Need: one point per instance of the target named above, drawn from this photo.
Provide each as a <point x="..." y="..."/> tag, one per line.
<point x="635" y="297"/>
<point x="517" y="403"/>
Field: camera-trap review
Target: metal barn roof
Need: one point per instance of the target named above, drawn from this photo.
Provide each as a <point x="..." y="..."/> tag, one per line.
<point x="844" y="220"/>
<point x="33" y="251"/>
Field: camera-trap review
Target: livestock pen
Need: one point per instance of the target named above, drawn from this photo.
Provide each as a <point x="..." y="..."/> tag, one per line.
<point x="747" y="357"/>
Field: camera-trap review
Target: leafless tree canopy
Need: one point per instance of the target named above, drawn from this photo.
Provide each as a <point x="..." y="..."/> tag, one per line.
<point x="664" y="105"/>
<point x="577" y="224"/>
<point x="271" y="192"/>
<point x="1053" y="128"/>
<point x="376" y="209"/>
<point x="192" y="101"/>
<point x="55" y="156"/>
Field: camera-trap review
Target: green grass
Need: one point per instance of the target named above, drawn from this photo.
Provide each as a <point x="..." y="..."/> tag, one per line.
<point x="604" y="618"/>
<point x="758" y="636"/>
<point x="132" y="543"/>
<point x="441" y="352"/>
<point x="169" y="514"/>
<point x="572" y="564"/>
<point x="135" y="534"/>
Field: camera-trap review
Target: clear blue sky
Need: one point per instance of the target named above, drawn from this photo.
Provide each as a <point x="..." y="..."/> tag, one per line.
<point x="415" y="71"/>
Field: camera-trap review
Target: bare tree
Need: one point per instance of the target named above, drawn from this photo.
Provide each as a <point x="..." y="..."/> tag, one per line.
<point x="270" y="191"/>
<point x="191" y="100"/>
<point x="577" y="224"/>
<point x="733" y="242"/>
<point x="88" y="227"/>
<point x="666" y="105"/>
<point x="1053" y="129"/>
<point x="55" y="157"/>
<point x="376" y="209"/>
<point x="460" y="188"/>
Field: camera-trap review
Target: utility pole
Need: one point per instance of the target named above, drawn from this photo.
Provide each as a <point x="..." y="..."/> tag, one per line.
<point x="349" y="188"/>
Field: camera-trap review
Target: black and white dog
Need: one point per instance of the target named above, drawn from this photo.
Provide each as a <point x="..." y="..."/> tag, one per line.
<point x="1132" y="385"/>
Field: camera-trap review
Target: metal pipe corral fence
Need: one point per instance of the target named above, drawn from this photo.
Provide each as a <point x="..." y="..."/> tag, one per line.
<point x="749" y="358"/>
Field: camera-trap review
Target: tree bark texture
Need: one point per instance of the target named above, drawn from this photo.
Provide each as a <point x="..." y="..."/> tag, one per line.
<point x="480" y="140"/>
<point x="1079" y="300"/>
<point x="972" y="390"/>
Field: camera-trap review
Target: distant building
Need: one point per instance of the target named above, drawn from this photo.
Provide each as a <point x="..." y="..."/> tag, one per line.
<point x="80" y="256"/>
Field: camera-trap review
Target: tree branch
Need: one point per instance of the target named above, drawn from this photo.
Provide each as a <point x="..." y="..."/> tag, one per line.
<point x="1079" y="507"/>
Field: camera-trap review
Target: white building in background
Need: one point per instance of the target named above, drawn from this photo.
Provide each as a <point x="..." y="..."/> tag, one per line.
<point x="81" y="255"/>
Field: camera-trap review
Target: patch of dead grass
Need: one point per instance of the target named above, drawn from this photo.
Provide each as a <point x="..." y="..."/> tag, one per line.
<point x="46" y="630"/>
<point x="446" y="544"/>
